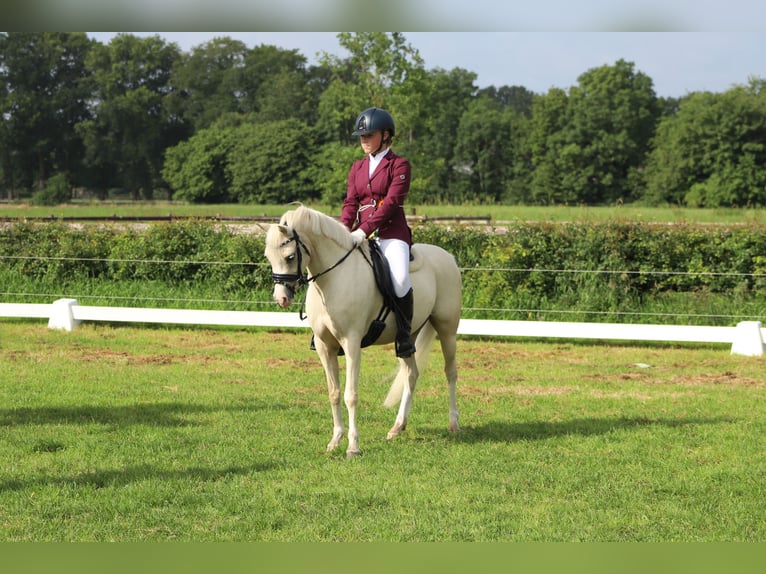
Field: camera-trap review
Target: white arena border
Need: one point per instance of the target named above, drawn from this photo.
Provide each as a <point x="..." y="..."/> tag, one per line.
<point x="747" y="338"/>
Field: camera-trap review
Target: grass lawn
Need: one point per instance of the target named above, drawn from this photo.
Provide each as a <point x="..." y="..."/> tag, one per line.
<point x="496" y="213"/>
<point x="114" y="433"/>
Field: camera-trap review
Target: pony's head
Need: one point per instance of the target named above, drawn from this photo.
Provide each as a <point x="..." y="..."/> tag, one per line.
<point x="289" y="245"/>
<point x="288" y="256"/>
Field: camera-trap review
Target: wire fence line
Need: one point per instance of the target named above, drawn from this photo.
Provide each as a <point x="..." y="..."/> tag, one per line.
<point x="615" y="272"/>
<point x="117" y="260"/>
<point x="462" y="269"/>
<point x="136" y="298"/>
<point x="500" y="311"/>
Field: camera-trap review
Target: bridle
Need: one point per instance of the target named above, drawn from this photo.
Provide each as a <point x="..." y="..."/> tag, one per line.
<point x="292" y="281"/>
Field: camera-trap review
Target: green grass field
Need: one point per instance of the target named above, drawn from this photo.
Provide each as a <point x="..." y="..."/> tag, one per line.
<point x="113" y="433"/>
<point x="496" y="213"/>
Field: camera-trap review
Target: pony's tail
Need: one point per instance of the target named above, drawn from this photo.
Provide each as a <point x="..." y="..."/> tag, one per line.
<point x="423" y="345"/>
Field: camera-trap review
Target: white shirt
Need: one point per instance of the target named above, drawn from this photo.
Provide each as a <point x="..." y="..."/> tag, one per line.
<point x="375" y="160"/>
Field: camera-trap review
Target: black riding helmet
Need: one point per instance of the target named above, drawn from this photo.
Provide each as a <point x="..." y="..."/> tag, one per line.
<point x="373" y="120"/>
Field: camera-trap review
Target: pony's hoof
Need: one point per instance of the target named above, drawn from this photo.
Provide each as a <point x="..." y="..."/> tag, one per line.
<point x="454" y="428"/>
<point x="353" y="454"/>
<point x="395" y="431"/>
<point x="335" y="442"/>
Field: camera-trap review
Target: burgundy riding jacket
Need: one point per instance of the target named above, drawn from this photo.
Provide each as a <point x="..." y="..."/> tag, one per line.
<point x="378" y="202"/>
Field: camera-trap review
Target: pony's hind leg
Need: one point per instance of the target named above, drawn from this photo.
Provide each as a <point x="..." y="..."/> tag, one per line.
<point x="408" y="370"/>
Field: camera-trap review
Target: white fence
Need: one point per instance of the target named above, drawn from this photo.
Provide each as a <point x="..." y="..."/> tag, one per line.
<point x="747" y="338"/>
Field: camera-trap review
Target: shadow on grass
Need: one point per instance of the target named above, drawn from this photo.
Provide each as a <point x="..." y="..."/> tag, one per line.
<point x="118" y="478"/>
<point x="503" y="431"/>
<point x="154" y="414"/>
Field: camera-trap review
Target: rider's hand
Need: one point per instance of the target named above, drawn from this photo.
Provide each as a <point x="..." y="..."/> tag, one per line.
<point x="358" y="235"/>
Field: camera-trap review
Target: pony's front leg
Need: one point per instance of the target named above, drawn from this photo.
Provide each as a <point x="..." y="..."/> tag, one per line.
<point x="408" y="370"/>
<point x="353" y="364"/>
<point x="330" y="363"/>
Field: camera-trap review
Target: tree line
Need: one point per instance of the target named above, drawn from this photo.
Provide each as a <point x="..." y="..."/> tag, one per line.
<point x="227" y="123"/>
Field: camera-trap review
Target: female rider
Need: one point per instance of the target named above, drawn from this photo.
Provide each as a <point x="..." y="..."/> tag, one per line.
<point x="374" y="205"/>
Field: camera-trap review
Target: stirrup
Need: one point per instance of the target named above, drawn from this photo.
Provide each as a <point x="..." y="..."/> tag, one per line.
<point x="404" y="348"/>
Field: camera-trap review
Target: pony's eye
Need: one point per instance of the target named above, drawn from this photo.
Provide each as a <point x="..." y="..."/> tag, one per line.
<point x="290" y="258"/>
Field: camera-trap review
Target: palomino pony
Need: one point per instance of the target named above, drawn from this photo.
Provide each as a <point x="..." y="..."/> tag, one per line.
<point x="343" y="300"/>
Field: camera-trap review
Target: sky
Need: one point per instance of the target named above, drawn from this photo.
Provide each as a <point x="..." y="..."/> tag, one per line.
<point x="677" y="62"/>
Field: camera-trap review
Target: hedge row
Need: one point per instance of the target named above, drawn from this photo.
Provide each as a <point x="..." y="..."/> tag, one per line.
<point x="614" y="271"/>
<point x="652" y="257"/>
<point x="613" y="267"/>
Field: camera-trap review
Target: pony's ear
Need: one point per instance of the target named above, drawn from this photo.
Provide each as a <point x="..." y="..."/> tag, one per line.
<point x="281" y="227"/>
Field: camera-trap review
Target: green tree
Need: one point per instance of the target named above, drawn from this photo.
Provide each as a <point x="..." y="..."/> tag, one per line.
<point x="613" y="114"/>
<point x="589" y="146"/>
<point x="517" y="97"/>
<point x="44" y="94"/>
<point x="381" y="61"/>
<point x="132" y="127"/>
<point x="445" y="97"/>
<point x="197" y="169"/>
<point x="339" y="105"/>
<point x="269" y="162"/>
<point x="207" y="83"/>
<point x="487" y="148"/>
<point x="328" y="171"/>
<point x="550" y="116"/>
<point x="713" y="151"/>
<point x="382" y="71"/>
<point x="276" y="85"/>
<point x="57" y="190"/>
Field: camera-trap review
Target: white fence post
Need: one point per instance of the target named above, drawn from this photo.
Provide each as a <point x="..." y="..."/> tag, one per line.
<point x="61" y="315"/>
<point x="748" y="339"/>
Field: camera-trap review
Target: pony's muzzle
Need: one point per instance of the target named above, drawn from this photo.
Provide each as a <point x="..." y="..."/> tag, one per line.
<point x="284" y="287"/>
<point x="283" y="295"/>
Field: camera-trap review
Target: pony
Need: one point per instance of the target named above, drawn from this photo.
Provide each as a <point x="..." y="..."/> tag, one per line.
<point x="343" y="300"/>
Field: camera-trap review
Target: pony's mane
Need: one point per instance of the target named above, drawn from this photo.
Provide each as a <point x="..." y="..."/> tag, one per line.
<point x="318" y="223"/>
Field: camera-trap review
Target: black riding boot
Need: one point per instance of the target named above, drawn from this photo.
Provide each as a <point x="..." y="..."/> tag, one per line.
<point x="405" y="347"/>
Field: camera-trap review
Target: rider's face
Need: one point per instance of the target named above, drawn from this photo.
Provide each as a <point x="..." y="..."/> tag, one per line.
<point x="371" y="142"/>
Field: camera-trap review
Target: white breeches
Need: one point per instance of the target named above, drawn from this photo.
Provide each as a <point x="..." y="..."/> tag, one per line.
<point x="397" y="253"/>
